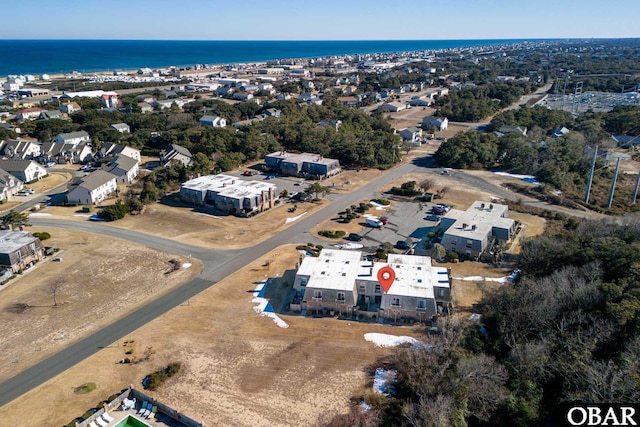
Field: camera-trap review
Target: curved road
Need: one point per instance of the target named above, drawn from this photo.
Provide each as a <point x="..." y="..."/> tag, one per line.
<point x="217" y="263"/>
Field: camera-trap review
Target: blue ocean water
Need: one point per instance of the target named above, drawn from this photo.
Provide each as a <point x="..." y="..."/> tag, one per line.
<point x="63" y="56"/>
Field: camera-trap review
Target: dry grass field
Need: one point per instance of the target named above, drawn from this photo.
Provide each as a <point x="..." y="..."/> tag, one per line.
<point x="238" y="368"/>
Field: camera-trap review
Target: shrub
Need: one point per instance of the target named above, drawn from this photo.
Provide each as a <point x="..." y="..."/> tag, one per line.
<point x="85" y="388"/>
<point x="114" y="212"/>
<point x="383" y="202"/>
<point x="452" y="255"/>
<point x="42" y="235"/>
<point x="332" y="234"/>
<point x="157" y="378"/>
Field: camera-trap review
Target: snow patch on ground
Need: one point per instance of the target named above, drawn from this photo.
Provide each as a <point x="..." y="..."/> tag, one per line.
<point x="349" y="246"/>
<point x="41" y="214"/>
<point x="378" y="206"/>
<point x="264" y="308"/>
<point x="386" y="340"/>
<point x="186" y="264"/>
<point x="383" y="380"/>
<point x="528" y="178"/>
<point x="485" y="279"/>
<point x="209" y="215"/>
<point x="295" y="218"/>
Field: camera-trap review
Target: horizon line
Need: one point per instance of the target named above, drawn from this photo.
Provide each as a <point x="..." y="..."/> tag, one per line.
<point x="324" y="40"/>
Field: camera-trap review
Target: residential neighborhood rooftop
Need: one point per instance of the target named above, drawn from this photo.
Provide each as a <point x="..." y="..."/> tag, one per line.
<point x="479" y="219"/>
<point x="12" y="240"/>
<point x="228" y="186"/>
<point x="96" y="179"/>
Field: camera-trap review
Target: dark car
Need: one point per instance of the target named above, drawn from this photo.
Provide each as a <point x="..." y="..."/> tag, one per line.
<point x="402" y="245"/>
<point x="354" y="237"/>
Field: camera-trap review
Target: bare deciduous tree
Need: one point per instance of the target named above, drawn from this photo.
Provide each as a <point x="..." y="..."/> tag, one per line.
<point x="54" y="289"/>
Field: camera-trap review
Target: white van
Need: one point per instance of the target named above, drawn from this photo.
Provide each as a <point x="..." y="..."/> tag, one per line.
<point x="373" y="222"/>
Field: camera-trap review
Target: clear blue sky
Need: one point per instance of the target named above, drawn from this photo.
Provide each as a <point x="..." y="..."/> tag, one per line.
<point x="319" y="20"/>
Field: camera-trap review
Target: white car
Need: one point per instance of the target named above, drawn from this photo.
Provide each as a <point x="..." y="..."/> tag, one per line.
<point x="50" y="164"/>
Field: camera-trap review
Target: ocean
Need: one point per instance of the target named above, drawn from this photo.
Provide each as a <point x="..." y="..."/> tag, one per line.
<point x="64" y="56"/>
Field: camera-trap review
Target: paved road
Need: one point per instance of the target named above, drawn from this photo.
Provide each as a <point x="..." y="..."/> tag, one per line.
<point x="218" y="264"/>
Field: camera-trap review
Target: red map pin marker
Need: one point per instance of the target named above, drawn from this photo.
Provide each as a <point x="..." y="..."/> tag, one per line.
<point x="386" y="276"/>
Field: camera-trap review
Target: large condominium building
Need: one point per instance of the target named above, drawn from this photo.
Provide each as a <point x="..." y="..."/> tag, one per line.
<point x="303" y="164"/>
<point x="229" y="194"/>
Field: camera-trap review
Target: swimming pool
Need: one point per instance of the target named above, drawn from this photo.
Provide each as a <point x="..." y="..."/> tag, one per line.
<point x="131" y="421"/>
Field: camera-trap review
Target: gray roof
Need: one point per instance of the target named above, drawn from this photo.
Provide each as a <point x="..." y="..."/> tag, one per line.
<point x="11" y="241"/>
<point x="123" y="162"/>
<point x="119" y="126"/>
<point x="15" y="165"/>
<point x="72" y="135"/>
<point x="179" y="149"/>
<point x="96" y="179"/>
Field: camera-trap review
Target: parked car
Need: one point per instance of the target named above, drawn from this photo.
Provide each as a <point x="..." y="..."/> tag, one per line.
<point x="354" y="237"/>
<point x="384" y="220"/>
<point x="374" y="223"/>
<point x="299" y="183"/>
<point x="402" y="245"/>
<point x="50" y="164"/>
<point x="270" y="177"/>
<point x="29" y="190"/>
<point x="249" y="173"/>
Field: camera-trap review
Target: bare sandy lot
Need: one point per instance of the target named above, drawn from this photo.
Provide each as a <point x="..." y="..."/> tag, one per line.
<point x="238" y="368"/>
<point x="200" y="229"/>
<point x="99" y="281"/>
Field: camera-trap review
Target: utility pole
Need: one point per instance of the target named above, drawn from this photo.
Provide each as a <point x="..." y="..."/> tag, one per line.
<point x="613" y="183"/>
<point x="635" y="191"/>
<point x="593" y="165"/>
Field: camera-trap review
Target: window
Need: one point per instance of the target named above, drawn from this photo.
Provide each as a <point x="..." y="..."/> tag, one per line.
<point x="317" y="294"/>
<point x="441" y="293"/>
<point x="378" y="290"/>
<point x="361" y="289"/>
<point x="469" y="243"/>
<point x="340" y="296"/>
<point x="422" y="304"/>
<point x="303" y="282"/>
<point x="395" y="302"/>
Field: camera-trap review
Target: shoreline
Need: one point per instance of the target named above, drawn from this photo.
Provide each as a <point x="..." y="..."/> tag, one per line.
<point x="202" y="59"/>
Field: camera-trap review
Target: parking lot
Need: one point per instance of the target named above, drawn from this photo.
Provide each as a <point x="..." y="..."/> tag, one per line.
<point x="408" y="221"/>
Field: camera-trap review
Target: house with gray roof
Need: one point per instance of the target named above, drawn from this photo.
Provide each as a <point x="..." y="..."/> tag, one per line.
<point x="9" y="185"/>
<point x="65" y="153"/>
<point x="19" y="250"/>
<point x="440" y="123"/>
<point x="112" y="149"/>
<point x="213" y="121"/>
<point x="19" y="149"/>
<point x="24" y="170"/>
<point x="303" y="164"/>
<point x="93" y="188"/>
<point x="124" y="168"/>
<point x="121" y="127"/>
<point x="176" y="152"/>
<point x="52" y="114"/>
<point x="72" y="138"/>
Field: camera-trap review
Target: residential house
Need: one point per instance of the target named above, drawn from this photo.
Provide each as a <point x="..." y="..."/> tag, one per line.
<point x="72" y="138"/>
<point x="303" y="164"/>
<point x="440" y="123"/>
<point x="242" y="96"/>
<point x="70" y="108"/>
<point x="121" y="127"/>
<point x="392" y="107"/>
<point x="9" y="185"/>
<point x="24" y="170"/>
<point x="503" y="130"/>
<point x="145" y="107"/>
<point x="331" y="123"/>
<point x="421" y="101"/>
<point x="229" y="194"/>
<point x="341" y="281"/>
<point x="562" y="131"/>
<point x="65" y="153"/>
<point x="473" y="231"/>
<point x="124" y="168"/>
<point x="19" y="250"/>
<point x="168" y="103"/>
<point x="176" y="152"/>
<point x="272" y="112"/>
<point x="349" y="101"/>
<point x="626" y="141"/>
<point x="29" y="113"/>
<point x="93" y="188"/>
<point x="53" y="114"/>
<point x="112" y="149"/>
<point x="213" y="121"/>
<point x="19" y="149"/>
<point x="411" y="133"/>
